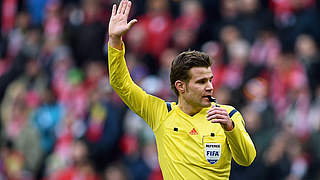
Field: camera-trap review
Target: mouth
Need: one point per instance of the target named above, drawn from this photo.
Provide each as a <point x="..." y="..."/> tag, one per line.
<point x="210" y="98"/>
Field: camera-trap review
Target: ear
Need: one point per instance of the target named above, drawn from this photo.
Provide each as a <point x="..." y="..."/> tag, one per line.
<point x="180" y="86"/>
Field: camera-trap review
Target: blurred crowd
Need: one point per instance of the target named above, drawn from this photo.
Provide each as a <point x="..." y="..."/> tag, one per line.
<point x="60" y="119"/>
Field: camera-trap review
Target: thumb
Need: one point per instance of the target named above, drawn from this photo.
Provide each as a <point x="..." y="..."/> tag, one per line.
<point x="132" y="22"/>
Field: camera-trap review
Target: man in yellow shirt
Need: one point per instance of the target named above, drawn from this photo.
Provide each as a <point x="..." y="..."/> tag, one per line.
<point x="196" y="138"/>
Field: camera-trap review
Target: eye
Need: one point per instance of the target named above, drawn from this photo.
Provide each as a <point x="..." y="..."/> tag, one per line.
<point x="211" y="79"/>
<point x="202" y="81"/>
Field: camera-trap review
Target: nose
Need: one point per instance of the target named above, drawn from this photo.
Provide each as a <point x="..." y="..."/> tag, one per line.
<point x="209" y="86"/>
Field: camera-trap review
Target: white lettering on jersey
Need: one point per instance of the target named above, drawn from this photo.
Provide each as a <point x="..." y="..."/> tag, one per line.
<point x="212" y="152"/>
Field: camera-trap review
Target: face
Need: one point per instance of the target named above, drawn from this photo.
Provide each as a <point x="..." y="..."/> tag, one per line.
<point x="199" y="87"/>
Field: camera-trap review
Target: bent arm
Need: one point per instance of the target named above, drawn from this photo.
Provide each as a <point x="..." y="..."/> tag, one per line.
<point x="240" y="143"/>
<point x="149" y="107"/>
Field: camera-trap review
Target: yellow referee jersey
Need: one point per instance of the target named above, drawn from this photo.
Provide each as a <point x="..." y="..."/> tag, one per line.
<point x="189" y="147"/>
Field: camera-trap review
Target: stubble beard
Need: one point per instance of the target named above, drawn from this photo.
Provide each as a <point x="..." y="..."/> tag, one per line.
<point x="197" y="103"/>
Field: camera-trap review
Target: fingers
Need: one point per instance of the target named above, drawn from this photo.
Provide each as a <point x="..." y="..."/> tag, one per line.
<point x="221" y="121"/>
<point x="221" y="116"/>
<point x="123" y="6"/>
<point x="217" y="110"/>
<point x="217" y="113"/>
<point x="127" y="9"/>
<point x="132" y="22"/>
<point x="120" y="7"/>
<point x="114" y="10"/>
<point x="216" y="116"/>
<point x="226" y="124"/>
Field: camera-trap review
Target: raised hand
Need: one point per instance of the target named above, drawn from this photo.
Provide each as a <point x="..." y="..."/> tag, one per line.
<point x="118" y="24"/>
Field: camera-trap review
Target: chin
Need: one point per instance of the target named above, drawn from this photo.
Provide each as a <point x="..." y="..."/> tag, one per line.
<point x="205" y="105"/>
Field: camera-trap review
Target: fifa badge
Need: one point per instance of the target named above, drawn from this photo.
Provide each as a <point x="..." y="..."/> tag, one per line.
<point x="212" y="152"/>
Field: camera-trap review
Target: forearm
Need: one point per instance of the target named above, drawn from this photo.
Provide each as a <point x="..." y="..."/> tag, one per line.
<point x="240" y="143"/>
<point x="119" y="76"/>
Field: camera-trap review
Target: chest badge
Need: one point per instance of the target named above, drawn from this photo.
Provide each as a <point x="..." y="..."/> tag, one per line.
<point x="212" y="152"/>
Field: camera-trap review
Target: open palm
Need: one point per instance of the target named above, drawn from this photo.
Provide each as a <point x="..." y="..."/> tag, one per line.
<point x="118" y="22"/>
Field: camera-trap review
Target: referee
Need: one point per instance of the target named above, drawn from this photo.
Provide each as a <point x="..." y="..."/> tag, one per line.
<point x="196" y="138"/>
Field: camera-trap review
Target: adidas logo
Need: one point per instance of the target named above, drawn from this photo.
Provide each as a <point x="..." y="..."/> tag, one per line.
<point x="193" y="132"/>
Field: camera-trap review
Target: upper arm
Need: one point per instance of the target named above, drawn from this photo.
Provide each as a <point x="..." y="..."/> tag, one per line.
<point x="150" y="108"/>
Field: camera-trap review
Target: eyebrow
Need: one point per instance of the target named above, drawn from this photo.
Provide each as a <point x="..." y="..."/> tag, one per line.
<point x="211" y="77"/>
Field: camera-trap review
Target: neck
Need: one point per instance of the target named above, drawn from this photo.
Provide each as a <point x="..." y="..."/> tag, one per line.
<point x="187" y="108"/>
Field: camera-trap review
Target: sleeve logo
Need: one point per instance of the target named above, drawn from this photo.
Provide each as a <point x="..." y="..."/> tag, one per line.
<point x="212" y="152"/>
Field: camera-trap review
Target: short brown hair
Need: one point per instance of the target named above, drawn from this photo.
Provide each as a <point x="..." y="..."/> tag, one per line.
<point x="183" y="63"/>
